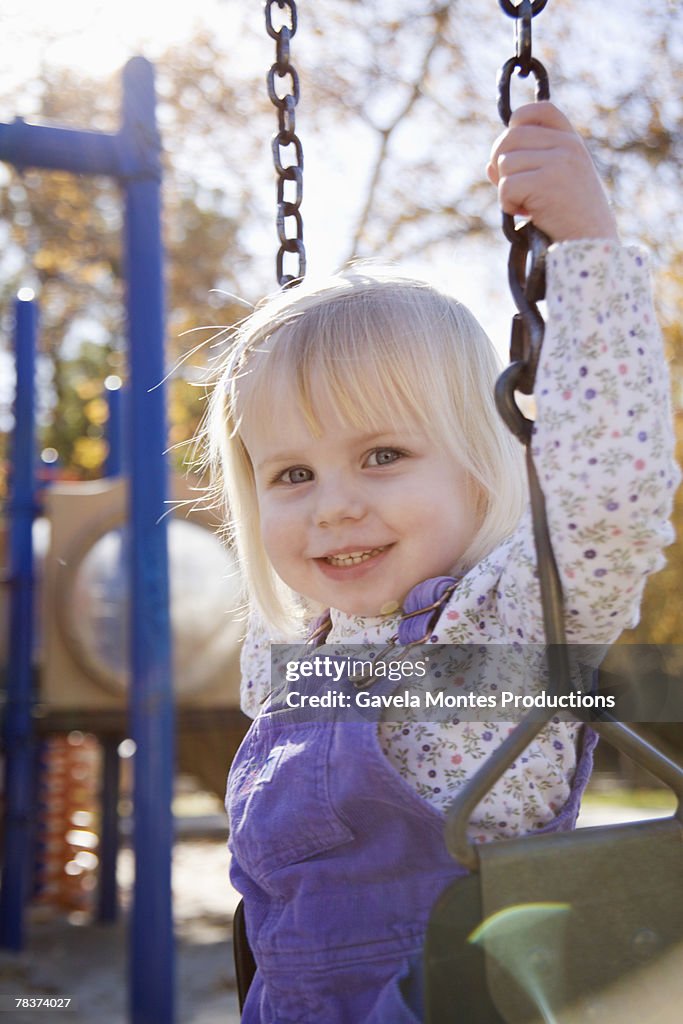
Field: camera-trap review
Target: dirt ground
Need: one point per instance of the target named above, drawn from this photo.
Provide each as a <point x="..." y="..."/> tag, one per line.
<point x="88" y="961"/>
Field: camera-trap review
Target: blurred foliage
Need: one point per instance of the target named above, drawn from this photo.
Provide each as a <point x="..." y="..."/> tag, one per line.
<point x="662" y="610"/>
<point x="398" y="111"/>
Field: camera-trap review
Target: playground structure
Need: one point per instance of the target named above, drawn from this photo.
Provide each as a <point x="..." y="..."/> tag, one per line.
<point x="84" y="594"/>
<point x="96" y="573"/>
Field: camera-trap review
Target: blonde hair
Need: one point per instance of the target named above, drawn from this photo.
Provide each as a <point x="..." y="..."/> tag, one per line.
<point x="381" y="342"/>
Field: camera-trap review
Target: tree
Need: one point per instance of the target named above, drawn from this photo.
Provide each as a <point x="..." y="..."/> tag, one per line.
<point x="397" y="116"/>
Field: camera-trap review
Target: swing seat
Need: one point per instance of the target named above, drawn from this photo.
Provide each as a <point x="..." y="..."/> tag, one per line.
<point x="567" y="927"/>
<point x="562" y="928"/>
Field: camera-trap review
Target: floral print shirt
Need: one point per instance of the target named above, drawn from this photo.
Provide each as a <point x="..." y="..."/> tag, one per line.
<point x="603" y="449"/>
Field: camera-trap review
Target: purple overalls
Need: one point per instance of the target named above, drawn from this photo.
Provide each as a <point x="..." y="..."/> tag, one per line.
<point x="340" y="861"/>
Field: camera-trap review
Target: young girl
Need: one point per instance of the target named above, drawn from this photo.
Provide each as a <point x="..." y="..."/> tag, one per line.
<point x="367" y="472"/>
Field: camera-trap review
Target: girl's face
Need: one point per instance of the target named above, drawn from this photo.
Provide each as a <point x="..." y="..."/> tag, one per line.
<point x="354" y="519"/>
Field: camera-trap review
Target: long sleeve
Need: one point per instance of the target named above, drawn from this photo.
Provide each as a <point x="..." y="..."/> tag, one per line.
<point x="603" y="446"/>
<point x="255" y="666"/>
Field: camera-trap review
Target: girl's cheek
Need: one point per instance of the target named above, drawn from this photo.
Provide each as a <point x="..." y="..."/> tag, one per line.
<point x="276" y="526"/>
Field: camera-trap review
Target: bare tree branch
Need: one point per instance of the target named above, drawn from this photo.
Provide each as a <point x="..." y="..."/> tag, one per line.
<point x="439" y="17"/>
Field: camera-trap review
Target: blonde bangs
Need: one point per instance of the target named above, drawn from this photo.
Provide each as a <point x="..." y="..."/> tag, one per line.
<point x="370" y="367"/>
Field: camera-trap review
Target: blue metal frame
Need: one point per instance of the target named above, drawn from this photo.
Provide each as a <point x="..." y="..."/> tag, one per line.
<point x="151" y="706"/>
<point x="107" y="897"/>
<point x="18" y="728"/>
<point x="115" y="397"/>
<point x="133" y="157"/>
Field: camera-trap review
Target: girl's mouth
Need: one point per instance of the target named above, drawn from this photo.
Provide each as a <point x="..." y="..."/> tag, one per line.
<point x="353" y="557"/>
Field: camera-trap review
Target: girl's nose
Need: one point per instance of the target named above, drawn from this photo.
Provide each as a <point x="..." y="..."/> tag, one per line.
<point x="338" y="500"/>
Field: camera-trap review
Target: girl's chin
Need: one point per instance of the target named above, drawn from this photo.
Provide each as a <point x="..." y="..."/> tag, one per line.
<point x="371" y="611"/>
<point x="367" y="609"/>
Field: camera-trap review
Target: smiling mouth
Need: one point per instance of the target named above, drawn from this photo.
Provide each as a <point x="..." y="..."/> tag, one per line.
<point x="354" y="557"/>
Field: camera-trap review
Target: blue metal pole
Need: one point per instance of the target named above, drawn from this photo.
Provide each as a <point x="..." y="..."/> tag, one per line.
<point x="151" y="963"/>
<point x="115" y="455"/>
<point x="107" y="903"/>
<point x="18" y="724"/>
<point x="66" y="149"/>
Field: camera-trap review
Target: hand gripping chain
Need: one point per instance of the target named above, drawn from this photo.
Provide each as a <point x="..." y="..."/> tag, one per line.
<point x="528" y="245"/>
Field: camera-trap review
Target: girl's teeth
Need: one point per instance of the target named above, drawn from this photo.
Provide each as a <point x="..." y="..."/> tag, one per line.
<point x="353" y="558"/>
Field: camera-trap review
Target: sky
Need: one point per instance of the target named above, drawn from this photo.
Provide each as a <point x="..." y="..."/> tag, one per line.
<point x="98" y="37"/>
<point x="94" y="35"/>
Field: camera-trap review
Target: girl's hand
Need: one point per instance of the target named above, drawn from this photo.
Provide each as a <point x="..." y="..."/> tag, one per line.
<point x="544" y="171"/>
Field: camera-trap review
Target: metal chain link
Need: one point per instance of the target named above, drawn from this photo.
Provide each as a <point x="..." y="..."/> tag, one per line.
<point x="288" y="156"/>
<point x="526" y="273"/>
<point x="526" y="270"/>
<point x="528" y="245"/>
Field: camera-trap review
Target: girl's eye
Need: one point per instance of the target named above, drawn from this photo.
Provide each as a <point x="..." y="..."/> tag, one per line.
<point x="384" y="456"/>
<point x="296" y="475"/>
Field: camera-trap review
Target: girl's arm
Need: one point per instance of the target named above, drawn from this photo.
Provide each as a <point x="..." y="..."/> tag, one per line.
<point x="255" y="666"/>
<point x="603" y="441"/>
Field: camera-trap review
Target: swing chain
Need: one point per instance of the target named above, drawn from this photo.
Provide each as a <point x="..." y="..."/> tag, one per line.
<point x="526" y="272"/>
<point x="288" y="156"/>
<point x="528" y="245"/>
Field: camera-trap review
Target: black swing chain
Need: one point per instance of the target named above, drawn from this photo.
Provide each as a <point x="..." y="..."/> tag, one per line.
<point x="526" y="271"/>
<point x="528" y="245"/>
<point x="288" y="156"/>
<point x="526" y="274"/>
